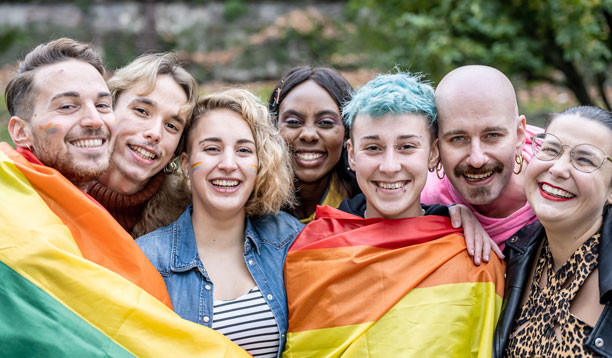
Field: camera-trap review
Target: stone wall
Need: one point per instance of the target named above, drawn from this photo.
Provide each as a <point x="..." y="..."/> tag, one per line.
<point x="265" y="40"/>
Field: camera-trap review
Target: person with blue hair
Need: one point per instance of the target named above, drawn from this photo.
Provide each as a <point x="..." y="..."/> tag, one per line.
<point x="405" y="93"/>
<point x="387" y="263"/>
<point x="393" y="93"/>
<point x="385" y="159"/>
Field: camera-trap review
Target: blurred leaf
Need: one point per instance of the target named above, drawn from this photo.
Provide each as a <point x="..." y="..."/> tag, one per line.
<point x="535" y="39"/>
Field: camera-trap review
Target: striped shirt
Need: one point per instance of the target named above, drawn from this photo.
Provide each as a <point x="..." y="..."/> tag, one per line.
<point x="248" y="322"/>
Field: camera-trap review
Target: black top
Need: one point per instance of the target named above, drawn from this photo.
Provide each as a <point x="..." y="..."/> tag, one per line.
<point x="357" y="206"/>
<point x="520" y="252"/>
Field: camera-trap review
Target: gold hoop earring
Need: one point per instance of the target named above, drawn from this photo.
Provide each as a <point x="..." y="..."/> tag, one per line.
<point x="519" y="159"/>
<point x="438" y="170"/>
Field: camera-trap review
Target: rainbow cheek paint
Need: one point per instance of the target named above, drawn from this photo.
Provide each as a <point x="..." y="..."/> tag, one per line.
<point x="196" y="166"/>
<point x="50" y="128"/>
<point x="252" y="168"/>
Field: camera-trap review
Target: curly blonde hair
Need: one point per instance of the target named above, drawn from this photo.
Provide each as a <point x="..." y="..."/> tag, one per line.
<point x="274" y="182"/>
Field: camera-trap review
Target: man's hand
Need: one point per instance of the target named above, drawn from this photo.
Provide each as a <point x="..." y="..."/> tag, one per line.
<point x="479" y="243"/>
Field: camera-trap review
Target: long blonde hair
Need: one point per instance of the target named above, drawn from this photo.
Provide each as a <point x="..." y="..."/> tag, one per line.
<point x="274" y="182"/>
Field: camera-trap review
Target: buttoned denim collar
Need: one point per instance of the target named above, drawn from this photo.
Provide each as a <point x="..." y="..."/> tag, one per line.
<point x="185" y="257"/>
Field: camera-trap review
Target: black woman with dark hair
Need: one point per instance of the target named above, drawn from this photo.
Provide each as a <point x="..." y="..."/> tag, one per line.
<point x="306" y="105"/>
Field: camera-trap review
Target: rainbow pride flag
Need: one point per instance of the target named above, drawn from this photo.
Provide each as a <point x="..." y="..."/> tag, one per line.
<point x="74" y="284"/>
<point x="388" y="288"/>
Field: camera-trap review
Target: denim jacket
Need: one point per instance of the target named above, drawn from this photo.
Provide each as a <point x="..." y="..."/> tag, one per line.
<point x="173" y="252"/>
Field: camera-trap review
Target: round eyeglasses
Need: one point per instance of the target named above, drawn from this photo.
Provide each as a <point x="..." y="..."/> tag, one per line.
<point x="584" y="157"/>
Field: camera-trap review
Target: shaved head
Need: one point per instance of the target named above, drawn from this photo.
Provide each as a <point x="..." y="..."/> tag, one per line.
<point x="475" y="88"/>
<point x="481" y="135"/>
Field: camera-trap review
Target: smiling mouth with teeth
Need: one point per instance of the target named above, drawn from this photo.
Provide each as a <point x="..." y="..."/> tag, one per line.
<point x="88" y="143"/>
<point x="225" y="184"/>
<point x="556" y="192"/>
<point x="310" y="156"/>
<point x="477" y="177"/>
<point x="395" y="185"/>
<point x="143" y="153"/>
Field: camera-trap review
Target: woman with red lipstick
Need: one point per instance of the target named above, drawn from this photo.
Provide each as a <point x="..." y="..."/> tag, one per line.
<point x="559" y="273"/>
<point x="222" y="259"/>
<point x="306" y="105"/>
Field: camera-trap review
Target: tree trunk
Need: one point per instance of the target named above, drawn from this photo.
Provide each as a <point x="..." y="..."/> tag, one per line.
<point x="601" y="88"/>
<point x="147" y="39"/>
<point x="574" y="81"/>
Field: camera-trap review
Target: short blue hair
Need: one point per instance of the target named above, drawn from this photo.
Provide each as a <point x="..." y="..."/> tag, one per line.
<point x="397" y="93"/>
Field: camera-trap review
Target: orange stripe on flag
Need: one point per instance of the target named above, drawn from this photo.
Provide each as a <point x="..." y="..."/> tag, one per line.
<point x="379" y="277"/>
<point x="99" y="237"/>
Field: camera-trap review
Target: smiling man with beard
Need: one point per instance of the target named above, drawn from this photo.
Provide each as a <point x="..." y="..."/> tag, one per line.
<point x="484" y="147"/>
<point x="61" y="110"/>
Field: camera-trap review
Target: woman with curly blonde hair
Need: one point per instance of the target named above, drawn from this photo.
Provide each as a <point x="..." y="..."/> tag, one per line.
<point x="222" y="260"/>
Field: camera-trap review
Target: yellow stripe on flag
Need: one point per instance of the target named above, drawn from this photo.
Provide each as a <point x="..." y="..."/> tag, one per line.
<point x="455" y="320"/>
<point x="41" y="248"/>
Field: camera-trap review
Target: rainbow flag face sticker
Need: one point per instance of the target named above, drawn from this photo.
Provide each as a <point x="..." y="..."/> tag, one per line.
<point x="75" y="284"/>
<point x="253" y="168"/>
<point x="115" y="124"/>
<point x="51" y="128"/>
<point x="196" y="166"/>
<point x="382" y="288"/>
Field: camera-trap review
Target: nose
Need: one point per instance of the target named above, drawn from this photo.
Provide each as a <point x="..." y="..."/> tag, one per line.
<point x="477" y="158"/>
<point x="560" y="166"/>
<point x="309" y="134"/>
<point x="91" y="118"/>
<point x="228" y="162"/>
<point x="389" y="164"/>
<point x="153" y="131"/>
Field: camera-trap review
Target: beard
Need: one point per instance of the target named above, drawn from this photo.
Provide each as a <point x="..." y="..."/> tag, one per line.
<point x="79" y="172"/>
<point x="481" y="194"/>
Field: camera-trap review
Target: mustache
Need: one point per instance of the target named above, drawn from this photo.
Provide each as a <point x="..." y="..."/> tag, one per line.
<point x="146" y="144"/>
<point x="462" y="169"/>
<point x="90" y="132"/>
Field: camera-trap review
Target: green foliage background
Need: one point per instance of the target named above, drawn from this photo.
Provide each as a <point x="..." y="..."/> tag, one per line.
<point x="563" y="42"/>
<point x="566" y="43"/>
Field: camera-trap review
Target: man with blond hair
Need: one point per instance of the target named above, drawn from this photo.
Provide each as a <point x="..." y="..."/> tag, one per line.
<point x="153" y="97"/>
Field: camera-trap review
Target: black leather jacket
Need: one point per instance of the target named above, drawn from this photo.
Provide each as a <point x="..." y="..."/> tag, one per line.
<point x="520" y="253"/>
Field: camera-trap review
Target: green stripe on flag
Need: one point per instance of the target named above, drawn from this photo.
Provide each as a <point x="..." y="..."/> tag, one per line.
<point x="34" y="324"/>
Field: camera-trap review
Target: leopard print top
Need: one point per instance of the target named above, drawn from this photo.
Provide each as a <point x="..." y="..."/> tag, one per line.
<point x="549" y="306"/>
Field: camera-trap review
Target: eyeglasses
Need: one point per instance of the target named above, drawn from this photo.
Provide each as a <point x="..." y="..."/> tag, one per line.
<point x="584" y="157"/>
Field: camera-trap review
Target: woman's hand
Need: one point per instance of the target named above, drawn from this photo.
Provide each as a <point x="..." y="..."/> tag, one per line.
<point x="479" y="243"/>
